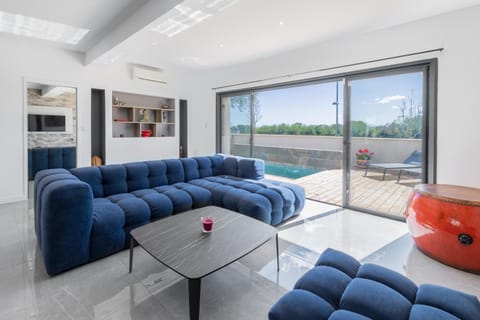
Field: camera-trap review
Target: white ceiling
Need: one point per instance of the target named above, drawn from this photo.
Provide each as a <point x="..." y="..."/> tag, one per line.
<point x="246" y="30"/>
<point x="95" y="15"/>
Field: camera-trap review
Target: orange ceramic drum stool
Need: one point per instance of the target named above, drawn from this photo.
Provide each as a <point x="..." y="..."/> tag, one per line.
<point x="444" y="221"/>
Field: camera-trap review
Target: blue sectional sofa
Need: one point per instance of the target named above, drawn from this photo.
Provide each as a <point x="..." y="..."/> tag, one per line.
<point x="86" y="213"/>
<point x="340" y="288"/>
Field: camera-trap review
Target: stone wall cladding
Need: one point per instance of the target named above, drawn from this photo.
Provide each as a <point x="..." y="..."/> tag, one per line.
<point x="45" y="140"/>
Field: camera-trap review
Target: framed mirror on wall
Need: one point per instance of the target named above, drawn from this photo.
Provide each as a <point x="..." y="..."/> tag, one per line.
<point x="51" y="127"/>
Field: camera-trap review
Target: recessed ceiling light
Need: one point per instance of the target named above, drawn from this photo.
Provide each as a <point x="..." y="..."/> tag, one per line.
<point x="281" y="23"/>
<point x="40" y="29"/>
<point x="221" y="45"/>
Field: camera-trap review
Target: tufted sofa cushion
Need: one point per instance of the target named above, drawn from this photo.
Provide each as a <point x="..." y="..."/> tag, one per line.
<point x="251" y="168"/>
<point x="195" y="182"/>
<point x="339" y="288"/>
<point x="137" y="176"/>
<point x="50" y="158"/>
<point x="121" y="197"/>
<point x="272" y="203"/>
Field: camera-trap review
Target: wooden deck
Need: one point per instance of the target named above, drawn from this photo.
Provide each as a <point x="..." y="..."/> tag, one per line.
<point x="370" y="192"/>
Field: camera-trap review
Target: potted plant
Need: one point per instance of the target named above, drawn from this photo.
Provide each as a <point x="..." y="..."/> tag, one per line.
<point x="363" y="156"/>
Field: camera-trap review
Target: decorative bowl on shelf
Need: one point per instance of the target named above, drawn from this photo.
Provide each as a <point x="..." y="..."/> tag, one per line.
<point x="146" y="133"/>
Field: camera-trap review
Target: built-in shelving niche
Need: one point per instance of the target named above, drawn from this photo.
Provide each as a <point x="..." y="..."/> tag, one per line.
<point x="134" y="115"/>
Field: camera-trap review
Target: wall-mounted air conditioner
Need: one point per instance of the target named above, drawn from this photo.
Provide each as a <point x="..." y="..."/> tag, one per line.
<point x="148" y="73"/>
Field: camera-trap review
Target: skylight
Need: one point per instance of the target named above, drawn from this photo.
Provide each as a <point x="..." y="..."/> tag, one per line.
<point x="182" y="18"/>
<point x="40" y="29"/>
<point x="189" y="14"/>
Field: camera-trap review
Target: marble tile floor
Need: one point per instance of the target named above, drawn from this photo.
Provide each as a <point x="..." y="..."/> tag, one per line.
<point x="370" y="239"/>
<point x="312" y="210"/>
<point x="104" y="289"/>
<point x="243" y="290"/>
<point x="353" y="232"/>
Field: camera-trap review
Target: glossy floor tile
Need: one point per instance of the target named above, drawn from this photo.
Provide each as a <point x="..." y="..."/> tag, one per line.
<point x="295" y="261"/>
<point x="244" y="290"/>
<point x="402" y="256"/>
<point x="312" y="210"/>
<point x="355" y="233"/>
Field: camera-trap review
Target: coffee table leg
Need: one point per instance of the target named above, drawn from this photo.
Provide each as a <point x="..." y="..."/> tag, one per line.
<point x="278" y="257"/>
<point x="132" y="244"/>
<point x="194" y="298"/>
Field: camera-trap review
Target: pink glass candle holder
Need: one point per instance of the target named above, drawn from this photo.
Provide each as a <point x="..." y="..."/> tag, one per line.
<point x="207" y="224"/>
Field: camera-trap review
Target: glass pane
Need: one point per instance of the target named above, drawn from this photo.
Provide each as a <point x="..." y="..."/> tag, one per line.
<point x="236" y="125"/>
<point x="298" y="132"/>
<point x="386" y="141"/>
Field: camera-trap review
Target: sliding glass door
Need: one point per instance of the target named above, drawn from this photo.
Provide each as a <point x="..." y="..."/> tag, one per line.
<point x="236" y="124"/>
<point x="360" y="141"/>
<point x="385" y="139"/>
<point x="296" y="129"/>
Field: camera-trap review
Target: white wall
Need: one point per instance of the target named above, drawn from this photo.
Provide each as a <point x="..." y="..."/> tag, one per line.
<point x="22" y="59"/>
<point x="458" y="93"/>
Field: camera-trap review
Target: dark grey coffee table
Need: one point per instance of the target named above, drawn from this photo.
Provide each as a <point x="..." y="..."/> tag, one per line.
<point x="179" y="243"/>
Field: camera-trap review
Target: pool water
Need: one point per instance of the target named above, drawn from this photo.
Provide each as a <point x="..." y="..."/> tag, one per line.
<point x="288" y="171"/>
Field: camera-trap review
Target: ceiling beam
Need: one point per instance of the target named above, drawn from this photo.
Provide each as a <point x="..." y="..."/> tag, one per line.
<point x="120" y="31"/>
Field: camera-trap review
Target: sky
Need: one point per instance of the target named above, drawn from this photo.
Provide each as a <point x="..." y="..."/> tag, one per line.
<point x="374" y="100"/>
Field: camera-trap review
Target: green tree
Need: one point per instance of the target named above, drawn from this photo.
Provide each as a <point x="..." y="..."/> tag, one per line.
<point x="410" y="120"/>
<point x="359" y="129"/>
<point x="242" y="104"/>
<point x="407" y="125"/>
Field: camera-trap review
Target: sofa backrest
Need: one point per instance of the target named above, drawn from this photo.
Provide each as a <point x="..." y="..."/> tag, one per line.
<point x="50" y="158"/>
<point x="121" y="178"/>
<point x="248" y="168"/>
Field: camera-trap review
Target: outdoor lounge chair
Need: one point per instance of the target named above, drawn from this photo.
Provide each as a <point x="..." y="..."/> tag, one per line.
<point x="417" y="171"/>
<point x="414" y="161"/>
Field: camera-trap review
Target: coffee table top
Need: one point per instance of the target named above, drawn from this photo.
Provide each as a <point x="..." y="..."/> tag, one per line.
<point x="179" y="243"/>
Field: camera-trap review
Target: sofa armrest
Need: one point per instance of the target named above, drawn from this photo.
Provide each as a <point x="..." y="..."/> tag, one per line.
<point x="66" y="218"/>
<point x="251" y="168"/>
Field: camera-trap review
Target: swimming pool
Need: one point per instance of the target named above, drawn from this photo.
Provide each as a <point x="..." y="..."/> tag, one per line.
<point x="288" y="171"/>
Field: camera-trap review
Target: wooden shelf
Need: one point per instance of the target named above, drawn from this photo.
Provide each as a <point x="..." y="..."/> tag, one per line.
<point x="141" y="107"/>
<point x="128" y="117"/>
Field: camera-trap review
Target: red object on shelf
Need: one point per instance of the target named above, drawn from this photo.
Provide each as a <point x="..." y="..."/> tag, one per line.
<point x="444" y="221"/>
<point x="146" y="133"/>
